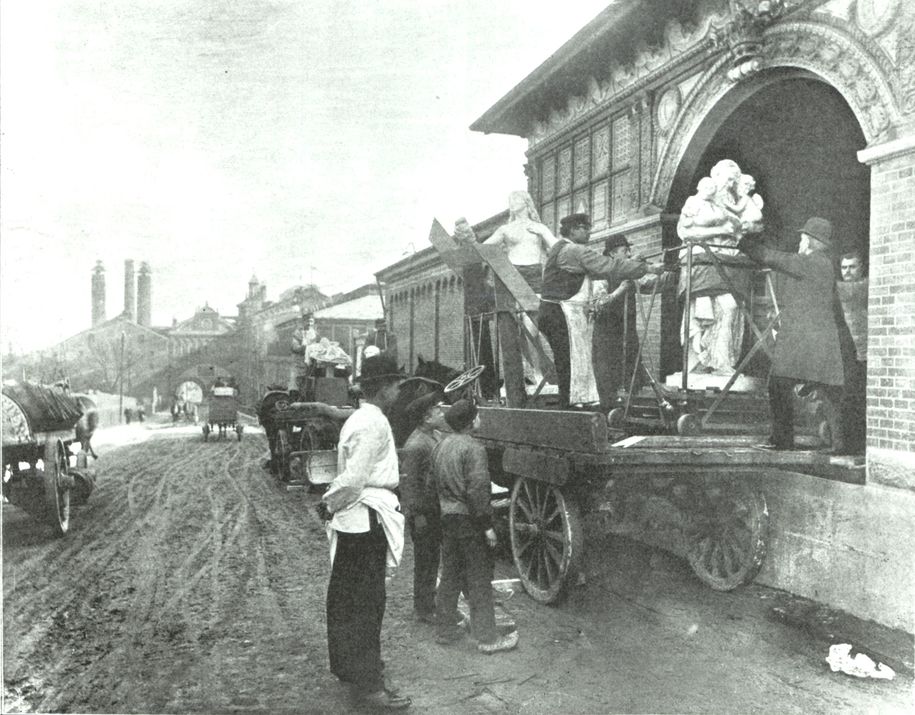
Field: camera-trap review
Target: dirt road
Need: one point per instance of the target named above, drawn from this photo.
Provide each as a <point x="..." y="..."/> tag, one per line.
<point x="191" y="583"/>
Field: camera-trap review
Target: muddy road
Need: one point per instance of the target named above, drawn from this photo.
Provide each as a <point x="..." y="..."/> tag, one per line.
<point x="191" y="583"/>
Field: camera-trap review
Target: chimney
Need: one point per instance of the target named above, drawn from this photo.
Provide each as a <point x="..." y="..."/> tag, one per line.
<point x="98" y="294"/>
<point x="144" y="295"/>
<point x="130" y="291"/>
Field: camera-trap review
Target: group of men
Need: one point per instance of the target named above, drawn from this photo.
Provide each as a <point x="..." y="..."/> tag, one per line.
<point x="445" y="503"/>
<point x="821" y="339"/>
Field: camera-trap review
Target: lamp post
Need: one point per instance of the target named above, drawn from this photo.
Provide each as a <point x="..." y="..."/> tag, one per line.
<point x="121" y="377"/>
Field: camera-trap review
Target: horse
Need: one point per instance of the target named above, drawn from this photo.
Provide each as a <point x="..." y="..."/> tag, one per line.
<point x="87" y="424"/>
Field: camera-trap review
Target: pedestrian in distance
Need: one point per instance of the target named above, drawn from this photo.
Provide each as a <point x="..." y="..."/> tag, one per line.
<point x="420" y="501"/>
<point x="366" y="532"/>
<point x="461" y="473"/>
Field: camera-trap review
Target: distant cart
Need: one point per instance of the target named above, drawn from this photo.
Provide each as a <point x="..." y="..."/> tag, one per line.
<point x="222" y="414"/>
<point x="39" y="425"/>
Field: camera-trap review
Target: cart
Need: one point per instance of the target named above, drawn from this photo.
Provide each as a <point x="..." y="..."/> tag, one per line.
<point x="39" y="425"/>
<point x="302" y="430"/>
<point x="222" y="414"/>
<point x="698" y="495"/>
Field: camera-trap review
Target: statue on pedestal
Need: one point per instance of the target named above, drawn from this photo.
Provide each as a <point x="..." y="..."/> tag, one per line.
<point x="723" y="209"/>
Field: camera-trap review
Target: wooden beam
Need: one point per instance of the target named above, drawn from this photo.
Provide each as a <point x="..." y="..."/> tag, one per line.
<point x="566" y="430"/>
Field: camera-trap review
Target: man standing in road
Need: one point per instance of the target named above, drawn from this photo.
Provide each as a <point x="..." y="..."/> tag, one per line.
<point x="365" y="528"/>
<point x="807" y="347"/>
<point x="569" y="263"/>
<point x="420" y="501"/>
<point x="461" y="471"/>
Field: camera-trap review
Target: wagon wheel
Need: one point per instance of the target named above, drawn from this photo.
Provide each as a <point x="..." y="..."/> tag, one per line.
<point x="281" y="456"/>
<point x="464" y="379"/>
<point x="729" y="524"/>
<point x="57" y="486"/>
<point x="546" y="539"/>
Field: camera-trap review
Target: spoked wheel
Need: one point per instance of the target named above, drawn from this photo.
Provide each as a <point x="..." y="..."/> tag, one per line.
<point x="729" y="525"/>
<point x="57" y="484"/>
<point x="281" y="456"/>
<point x="464" y="379"/>
<point x="546" y="538"/>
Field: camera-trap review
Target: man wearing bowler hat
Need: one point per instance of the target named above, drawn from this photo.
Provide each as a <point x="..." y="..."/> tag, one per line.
<point x="366" y="532"/>
<point x="807" y="347"/>
<point x="569" y="262"/>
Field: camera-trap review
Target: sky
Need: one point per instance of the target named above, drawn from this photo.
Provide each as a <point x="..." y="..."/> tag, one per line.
<point x="300" y="141"/>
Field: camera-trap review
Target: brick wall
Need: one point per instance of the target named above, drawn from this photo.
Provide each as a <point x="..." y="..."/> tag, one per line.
<point x="891" y="310"/>
<point x="451" y="324"/>
<point x="424" y="323"/>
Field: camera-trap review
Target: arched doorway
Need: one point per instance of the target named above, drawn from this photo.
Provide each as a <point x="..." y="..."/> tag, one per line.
<point x="799" y="138"/>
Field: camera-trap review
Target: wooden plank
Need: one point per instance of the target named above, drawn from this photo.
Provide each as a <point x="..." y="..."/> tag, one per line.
<point x="512" y="368"/>
<point x="526" y="462"/>
<point x="440" y="238"/>
<point x="564" y="430"/>
<point x="496" y="258"/>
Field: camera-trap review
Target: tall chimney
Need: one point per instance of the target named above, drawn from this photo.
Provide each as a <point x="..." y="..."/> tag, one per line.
<point x="144" y="295"/>
<point x="98" y="294"/>
<point x="130" y="291"/>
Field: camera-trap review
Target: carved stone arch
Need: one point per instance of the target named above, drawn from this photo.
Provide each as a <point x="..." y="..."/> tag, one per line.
<point x="796" y="49"/>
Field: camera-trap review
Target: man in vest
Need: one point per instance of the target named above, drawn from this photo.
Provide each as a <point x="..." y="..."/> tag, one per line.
<point x="568" y="263"/>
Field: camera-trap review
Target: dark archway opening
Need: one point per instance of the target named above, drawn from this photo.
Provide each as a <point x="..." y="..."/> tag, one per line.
<point x="799" y="138"/>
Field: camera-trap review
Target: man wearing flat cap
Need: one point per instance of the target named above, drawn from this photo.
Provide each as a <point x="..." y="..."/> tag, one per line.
<point x="807" y="346"/>
<point x="420" y="500"/>
<point x="565" y="303"/>
<point x="366" y="532"/>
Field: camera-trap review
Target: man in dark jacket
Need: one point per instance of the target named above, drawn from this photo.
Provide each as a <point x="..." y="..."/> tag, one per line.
<point x="568" y="262"/>
<point x="419" y="500"/>
<point x="807" y="348"/>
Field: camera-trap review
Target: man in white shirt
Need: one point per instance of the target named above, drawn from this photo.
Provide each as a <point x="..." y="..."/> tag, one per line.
<point x="366" y="532"/>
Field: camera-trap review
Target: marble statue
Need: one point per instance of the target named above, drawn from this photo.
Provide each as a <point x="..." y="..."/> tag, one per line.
<point x="723" y="209"/>
<point x="526" y="240"/>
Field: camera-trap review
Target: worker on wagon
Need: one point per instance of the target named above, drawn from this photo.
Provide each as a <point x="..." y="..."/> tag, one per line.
<point x="419" y="499"/>
<point x="615" y="326"/>
<point x="461" y="471"/>
<point x="807" y="346"/>
<point x="306" y="334"/>
<point x="565" y="304"/>
<point x="365" y="529"/>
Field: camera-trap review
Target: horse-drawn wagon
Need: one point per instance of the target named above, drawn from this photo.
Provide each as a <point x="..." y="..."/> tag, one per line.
<point x="39" y="474"/>
<point x="222" y="413"/>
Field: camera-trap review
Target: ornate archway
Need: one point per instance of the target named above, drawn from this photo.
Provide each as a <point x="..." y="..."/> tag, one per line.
<point x="840" y="57"/>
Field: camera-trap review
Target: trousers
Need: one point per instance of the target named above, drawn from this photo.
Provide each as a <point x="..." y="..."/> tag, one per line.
<point x="426" y="556"/>
<point x="355" y="607"/>
<point x="781" y="406"/>
<point x="466" y="566"/>
<point x="552" y="323"/>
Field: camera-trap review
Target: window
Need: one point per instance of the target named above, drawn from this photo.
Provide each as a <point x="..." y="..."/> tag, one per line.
<point x="591" y="173"/>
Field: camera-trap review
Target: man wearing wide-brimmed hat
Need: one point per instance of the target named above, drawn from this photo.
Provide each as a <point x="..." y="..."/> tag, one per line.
<point x="366" y="532"/>
<point x="807" y="347"/>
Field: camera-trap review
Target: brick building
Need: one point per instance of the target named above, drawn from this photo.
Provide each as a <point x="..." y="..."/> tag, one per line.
<point x="424" y="304"/>
<point x="816" y="100"/>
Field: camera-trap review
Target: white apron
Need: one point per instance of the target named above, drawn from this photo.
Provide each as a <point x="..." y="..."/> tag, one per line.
<point x="582" y="385"/>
